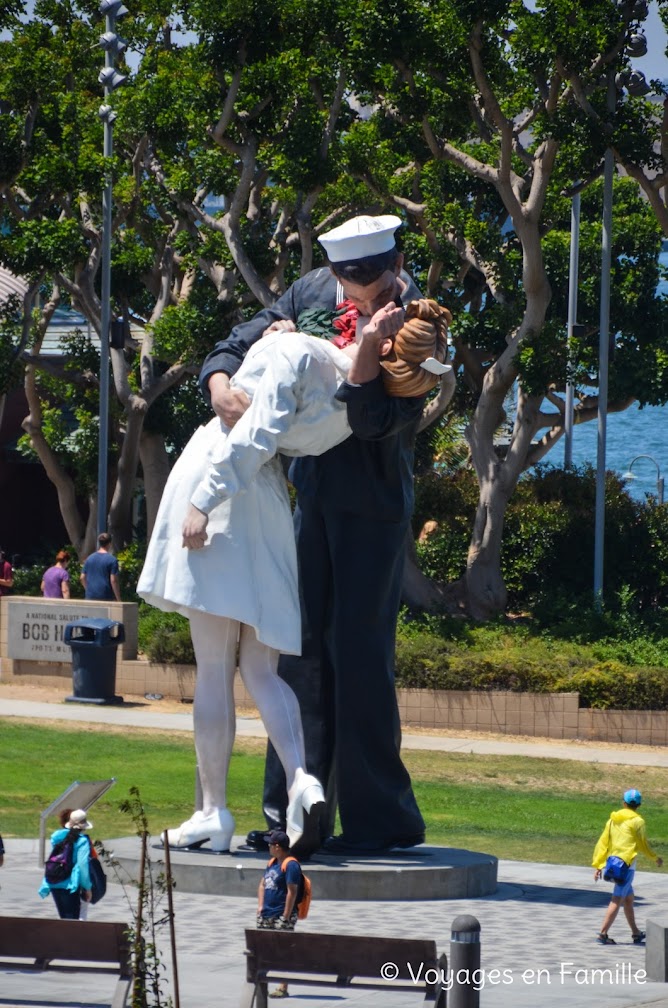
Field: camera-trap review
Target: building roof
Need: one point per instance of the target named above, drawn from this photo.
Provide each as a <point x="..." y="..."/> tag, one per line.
<point x="10" y="284"/>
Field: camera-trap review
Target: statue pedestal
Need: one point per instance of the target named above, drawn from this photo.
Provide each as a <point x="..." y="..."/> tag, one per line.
<point x="420" y="873"/>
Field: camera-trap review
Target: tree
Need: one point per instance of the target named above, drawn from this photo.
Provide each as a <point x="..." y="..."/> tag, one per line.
<point x="50" y="151"/>
<point x="475" y="129"/>
<point x="238" y="145"/>
<point x="237" y="113"/>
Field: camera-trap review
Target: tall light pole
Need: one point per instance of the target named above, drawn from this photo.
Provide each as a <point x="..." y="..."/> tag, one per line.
<point x="110" y="79"/>
<point x="635" y="83"/>
<point x="573" y="265"/>
<point x="603" y="356"/>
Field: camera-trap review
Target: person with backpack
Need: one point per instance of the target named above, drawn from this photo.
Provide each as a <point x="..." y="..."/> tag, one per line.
<point x="622" y="839"/>
<point x="280" y="891"/>
<point x="97" y="876"/>
<point x="67" y="869"/>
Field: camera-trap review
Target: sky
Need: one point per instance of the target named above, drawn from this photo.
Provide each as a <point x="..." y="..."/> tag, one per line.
<point x="655" y="63"/>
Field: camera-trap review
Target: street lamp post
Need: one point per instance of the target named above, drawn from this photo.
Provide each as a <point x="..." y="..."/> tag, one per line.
<point x="572" y="324"/>
<point x="629" y="475"/>
<point x="636" y="85"/>
<point x="603" y="357"/>
<point x="110" y="79"/>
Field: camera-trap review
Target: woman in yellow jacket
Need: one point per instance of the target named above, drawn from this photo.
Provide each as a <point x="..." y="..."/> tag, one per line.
<point x="623" y="837"/>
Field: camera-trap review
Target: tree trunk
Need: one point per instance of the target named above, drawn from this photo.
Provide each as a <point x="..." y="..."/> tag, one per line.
<point x="485" y="589"/>
<point x="417" y="590"/>
<point x="155" y="466"/>
<point x="120" y="512"/>
<point x="67" y="501"/>
<point x="497" y="479"/>
<point x="90" y="538"/>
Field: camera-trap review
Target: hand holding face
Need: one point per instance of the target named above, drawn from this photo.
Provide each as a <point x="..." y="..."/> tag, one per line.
<point x="383" y="325"/>
<point x="194" y="528"/>
<point x="375" y="341"/>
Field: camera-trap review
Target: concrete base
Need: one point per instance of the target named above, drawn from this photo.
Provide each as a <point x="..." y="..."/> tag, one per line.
<point x="421" y="873"/>
<point x="656" y="950"/>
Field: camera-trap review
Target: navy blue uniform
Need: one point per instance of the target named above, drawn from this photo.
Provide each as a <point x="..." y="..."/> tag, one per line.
<point x="351" y="521"/>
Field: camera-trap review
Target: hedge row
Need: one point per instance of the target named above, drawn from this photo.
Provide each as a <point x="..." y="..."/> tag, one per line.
<point x="425" y="661"/>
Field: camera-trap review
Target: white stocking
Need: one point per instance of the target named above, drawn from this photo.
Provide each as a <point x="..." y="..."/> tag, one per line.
<point x="215" y="641"/>
<point x="275" y="700"/>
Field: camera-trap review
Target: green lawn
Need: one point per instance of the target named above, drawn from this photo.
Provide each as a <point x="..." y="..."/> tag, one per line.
<point x="512" y="806"/>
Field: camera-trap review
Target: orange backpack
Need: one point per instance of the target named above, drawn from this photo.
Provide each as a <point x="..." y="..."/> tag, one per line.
<point x="303" y="901"/>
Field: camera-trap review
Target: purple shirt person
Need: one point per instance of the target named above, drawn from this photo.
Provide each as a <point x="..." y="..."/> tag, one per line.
<point x="56" y="580"/>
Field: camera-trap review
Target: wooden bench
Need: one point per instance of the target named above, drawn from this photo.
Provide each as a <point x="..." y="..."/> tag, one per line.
<point x="82" y="942"/>
<point x="332" y="960"/>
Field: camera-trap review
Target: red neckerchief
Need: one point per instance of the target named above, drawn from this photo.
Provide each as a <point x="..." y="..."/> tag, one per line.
<point x="345" y="324"/>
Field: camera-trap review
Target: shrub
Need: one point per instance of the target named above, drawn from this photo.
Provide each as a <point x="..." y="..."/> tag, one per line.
<point x="430" y="654"/>
<point x="131" y="561"/>
<point x="164" y="637"/>
<point x="28" y="579"/>
<point x="548" y="541"/>
<point x="613" y="686"/>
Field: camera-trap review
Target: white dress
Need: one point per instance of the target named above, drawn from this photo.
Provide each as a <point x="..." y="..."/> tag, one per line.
<point x="247" y="570"/>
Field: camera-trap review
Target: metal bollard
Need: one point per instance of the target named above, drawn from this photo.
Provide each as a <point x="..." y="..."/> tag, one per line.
<point x="465" y="963"/>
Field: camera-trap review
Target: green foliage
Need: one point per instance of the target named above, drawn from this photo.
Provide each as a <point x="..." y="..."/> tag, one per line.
<point x="613" y="686"/>
<point x="444" y="655"/>
<point x="616" y="658"/>
<point x="131" y="561"/>
<point x="34" y="245"/>
<point x="183" y="332"/>
<point x="551" y="516"/>
<point x="11" y="367"/>
<point x="280" y="117"/>
<point x="27" y="580"/>
<point x="165" y="637"/>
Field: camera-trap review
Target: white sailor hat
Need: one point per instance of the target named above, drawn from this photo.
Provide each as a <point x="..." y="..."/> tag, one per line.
<point x="360" y="237"/>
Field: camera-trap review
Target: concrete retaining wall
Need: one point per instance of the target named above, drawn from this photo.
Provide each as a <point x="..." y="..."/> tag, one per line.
<point x="546" y="715"/>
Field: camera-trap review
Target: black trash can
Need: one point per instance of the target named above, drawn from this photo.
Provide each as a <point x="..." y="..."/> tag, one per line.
<point x="94" y="643"/>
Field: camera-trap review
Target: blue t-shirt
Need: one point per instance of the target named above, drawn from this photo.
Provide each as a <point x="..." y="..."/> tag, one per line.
<point x="98" y="568"/>
<point x="276" y="886"/>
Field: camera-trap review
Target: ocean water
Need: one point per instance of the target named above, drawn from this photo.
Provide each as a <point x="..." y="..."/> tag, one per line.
<point x="631" y="433"/>
<point x="634" y="432"/>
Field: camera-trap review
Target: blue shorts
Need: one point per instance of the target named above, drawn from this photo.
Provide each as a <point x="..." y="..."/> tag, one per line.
<point x="627" y="889"/>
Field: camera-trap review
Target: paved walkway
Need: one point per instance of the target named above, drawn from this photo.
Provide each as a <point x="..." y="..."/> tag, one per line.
<point x="150" y="716"/>
<point x="538" y="929"/>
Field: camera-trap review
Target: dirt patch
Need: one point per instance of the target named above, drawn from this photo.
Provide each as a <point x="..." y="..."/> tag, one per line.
<point x="56" y="694"/>
<point x="542" y="740"/>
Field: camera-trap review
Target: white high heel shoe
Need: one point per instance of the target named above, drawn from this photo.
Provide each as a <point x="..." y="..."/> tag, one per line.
<point x="306" y="803"/>
<point x="217" y="828"/>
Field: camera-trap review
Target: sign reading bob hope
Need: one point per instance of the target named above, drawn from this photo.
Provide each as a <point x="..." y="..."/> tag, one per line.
<point x="36" y="628"/>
